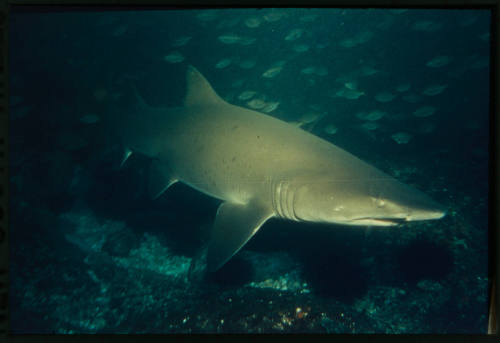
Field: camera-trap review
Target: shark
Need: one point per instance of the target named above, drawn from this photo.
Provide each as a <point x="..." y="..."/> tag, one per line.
<point x="260" y="167"/>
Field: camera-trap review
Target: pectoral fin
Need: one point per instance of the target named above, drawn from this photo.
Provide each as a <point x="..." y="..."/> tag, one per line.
<point x="234" y="225"/>
<point x="160" y="178"/>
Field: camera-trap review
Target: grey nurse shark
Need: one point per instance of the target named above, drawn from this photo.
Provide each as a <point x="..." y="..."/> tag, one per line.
<point x="261" y="168"/>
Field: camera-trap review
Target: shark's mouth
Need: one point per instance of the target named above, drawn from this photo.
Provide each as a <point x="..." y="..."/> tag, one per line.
<point x="378" y="221"/>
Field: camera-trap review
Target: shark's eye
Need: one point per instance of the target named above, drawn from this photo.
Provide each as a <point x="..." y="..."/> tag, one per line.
<point x="379" y="202"/>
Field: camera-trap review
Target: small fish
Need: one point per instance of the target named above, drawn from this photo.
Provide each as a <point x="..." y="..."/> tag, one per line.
<point x="439" y="61"/>
<point x="252" y="22"/>
<point x="247" y="95"/>
<point x="227" y="22"/>
<point x="273" y="16"/>
<point x="426" y="26"/>
<point x="272" y="72"/>
<point x="371" y="116"/>
<point x="350" y="94"/>
<point x="401" y="137"/>
<point x="348" y="43"/>
<point x="384" y="96"/>
<point x="256" y="104"/>
<point x="360" y="38"/>
<point x="330" y="129"/>
<point x="174" y="57"/>
<point x="207" y="15"/>
<point x="434" y="90"/>
<point x="294" y="34"/>
<point x="351" y="85"/>
<point x="181" y="41"/>
<point x="232" y="38"/>
<point x="308" y="70"/>
<point x="370" y="126"/>
<point x="270" y="106"/>
<point x="310" y="117"/>
<point x="223" y="63"/>
<point x="301" y="48"/>
<point x="424" y="111"/>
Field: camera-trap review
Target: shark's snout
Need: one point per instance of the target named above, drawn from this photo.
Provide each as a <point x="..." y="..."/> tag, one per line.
<point x="436" y="213"/>
<point x="406" y="205"/>
<point x="411" y="204"/>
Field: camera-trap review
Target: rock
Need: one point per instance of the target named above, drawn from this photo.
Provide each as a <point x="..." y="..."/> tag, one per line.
<point x="120" y="243"/>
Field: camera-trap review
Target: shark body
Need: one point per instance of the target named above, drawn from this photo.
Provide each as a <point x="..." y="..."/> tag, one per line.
<point x="262" y="167"/>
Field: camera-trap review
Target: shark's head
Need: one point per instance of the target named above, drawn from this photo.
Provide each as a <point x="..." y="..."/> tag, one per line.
<point x="378" y="202"/>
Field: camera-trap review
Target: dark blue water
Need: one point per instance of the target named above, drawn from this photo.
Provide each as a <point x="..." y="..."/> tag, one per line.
<point x="405" y="90"/>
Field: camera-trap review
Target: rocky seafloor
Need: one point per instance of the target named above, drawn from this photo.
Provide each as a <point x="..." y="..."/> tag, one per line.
<point x="90" y="254"/>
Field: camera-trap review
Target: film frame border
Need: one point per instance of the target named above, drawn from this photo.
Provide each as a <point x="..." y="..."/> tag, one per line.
<point x="494" y="238"/>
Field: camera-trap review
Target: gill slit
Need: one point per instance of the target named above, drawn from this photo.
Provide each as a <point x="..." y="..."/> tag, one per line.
<point x="276" y="190"/>
<point x="283" y="197"/>
<point x="283" y="200"/>
<point x="290" y="197"/>
<point x="293" y="206"/>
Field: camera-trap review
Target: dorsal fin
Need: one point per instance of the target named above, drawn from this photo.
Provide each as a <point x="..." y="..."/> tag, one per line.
<point x="199" y="91"/>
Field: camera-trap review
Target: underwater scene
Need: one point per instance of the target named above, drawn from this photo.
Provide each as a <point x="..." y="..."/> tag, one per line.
<point x="281" y="170"/>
